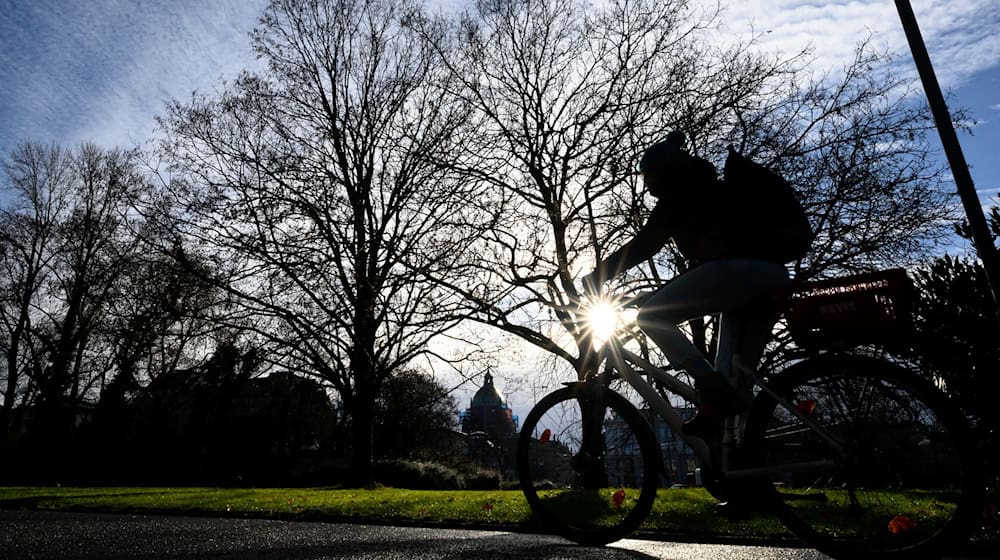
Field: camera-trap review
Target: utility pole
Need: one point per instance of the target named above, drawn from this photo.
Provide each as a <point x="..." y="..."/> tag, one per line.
<point x="952" y="149"/>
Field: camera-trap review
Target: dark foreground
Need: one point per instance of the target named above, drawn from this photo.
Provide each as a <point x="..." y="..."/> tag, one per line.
<point x="60" y="536"/>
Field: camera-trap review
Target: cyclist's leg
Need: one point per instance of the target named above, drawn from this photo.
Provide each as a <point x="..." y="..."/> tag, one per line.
<point x="713" y="287"/>
<point x="743" y="334"/>
<point x="659" y="317"/>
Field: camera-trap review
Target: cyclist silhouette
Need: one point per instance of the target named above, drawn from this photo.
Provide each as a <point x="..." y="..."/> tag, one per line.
<point x="727" y="275"/>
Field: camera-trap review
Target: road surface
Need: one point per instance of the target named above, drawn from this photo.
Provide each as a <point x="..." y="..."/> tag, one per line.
<point x="38" y="535"/>
<point x="63" y="536"/>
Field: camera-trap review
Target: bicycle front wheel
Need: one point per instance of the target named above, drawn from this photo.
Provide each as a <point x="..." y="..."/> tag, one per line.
<point x="890" y="471"/>
<point x="590" y="489"/>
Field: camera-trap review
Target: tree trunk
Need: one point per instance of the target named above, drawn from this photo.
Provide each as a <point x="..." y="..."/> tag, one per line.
<point x="58" y="375"/>
<point x="367" y="383"/>
<point x="362" y="444"/>
<point x="5" y="413"/>
<point x="10" y="392"/>
<point x="13" y="374"/>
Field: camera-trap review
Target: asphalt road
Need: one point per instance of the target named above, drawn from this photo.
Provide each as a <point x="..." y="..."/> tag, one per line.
<point x="39" y="535"/>
<point x="62" y="536"/>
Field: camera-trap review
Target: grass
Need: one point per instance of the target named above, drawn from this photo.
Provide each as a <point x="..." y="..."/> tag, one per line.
<point x="382" y="505"/>
<point x="676" y="511"/>
<point x="928" y="510"/>
<point x="687" y="512"/>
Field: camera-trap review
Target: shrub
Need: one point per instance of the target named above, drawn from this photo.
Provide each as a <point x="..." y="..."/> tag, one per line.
<point x="510" y="485"/>
<point x="482" y="480"/>
<point x="417" y="475"/>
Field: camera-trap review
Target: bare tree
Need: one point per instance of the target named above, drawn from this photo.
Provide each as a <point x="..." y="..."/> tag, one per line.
<point x="314" y="189"/>
<point x="97" y="248"/>
<point x="570" y="93"/>
<point x="67" y="244"/>
<point x="36" y="201"/>
<point x="158" y="321"/>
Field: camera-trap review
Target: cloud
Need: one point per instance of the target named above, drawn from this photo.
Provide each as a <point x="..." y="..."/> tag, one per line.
<point x="960" y="34"/>
<point x="101" y="70"/>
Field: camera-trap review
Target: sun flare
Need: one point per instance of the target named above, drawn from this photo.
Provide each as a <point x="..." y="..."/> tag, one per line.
<point x="602" y="318"/>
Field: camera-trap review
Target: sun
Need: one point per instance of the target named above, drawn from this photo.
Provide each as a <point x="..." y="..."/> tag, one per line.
<point x="602" y="320"/>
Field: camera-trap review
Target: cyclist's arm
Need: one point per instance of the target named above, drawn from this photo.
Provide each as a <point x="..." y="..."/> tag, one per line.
<point x="647" y="242"/>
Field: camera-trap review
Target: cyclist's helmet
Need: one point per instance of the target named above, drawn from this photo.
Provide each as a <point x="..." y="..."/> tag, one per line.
<point x="668" y="163"/>
<point x="665" y="154"/>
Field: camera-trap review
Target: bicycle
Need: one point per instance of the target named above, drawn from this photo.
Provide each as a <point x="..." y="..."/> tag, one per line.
<point x="855" y="454"/>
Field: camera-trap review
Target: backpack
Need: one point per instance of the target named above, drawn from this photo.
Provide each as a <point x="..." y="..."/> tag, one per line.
<point x="765" y="215"/>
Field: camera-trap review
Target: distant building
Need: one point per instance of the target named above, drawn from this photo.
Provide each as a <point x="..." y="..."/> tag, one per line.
<point x="679" y="459"/>
<point x="492" y="429"/>
<point x="625" y="462"/>
<point x="489" y="414"/>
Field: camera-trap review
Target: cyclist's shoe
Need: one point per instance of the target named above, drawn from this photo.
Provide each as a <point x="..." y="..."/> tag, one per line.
<point x="743" y="502"/>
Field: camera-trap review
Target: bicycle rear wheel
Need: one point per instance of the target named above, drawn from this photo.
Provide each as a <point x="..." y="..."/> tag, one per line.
<point x="591" y="492"/>
<point x="905" y="481"/>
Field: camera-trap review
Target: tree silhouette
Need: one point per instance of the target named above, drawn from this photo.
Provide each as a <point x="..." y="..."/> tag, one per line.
<point x="957" y="338"/>
<point x="314" y="188"/>
<point x="567" y="95"/>
<point x="413" y="410"/>
<point x="956" y="332"/>
<point x="34" y="174"/>
<point x="67" y="242"/>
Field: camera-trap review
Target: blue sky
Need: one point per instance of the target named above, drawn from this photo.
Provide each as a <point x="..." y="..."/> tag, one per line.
<point x="75" y="70"/>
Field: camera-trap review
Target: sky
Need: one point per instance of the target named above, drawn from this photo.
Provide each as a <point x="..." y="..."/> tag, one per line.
<point x="101" y="70"/>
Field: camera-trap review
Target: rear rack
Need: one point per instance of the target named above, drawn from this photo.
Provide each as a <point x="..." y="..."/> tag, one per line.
<point x="871" y="308"/>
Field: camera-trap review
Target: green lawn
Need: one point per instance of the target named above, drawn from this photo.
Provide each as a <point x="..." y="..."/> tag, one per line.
<point x="676" y="511"/>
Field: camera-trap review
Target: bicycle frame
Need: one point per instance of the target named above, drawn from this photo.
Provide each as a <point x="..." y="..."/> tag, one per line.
<point x="619" y="358"/>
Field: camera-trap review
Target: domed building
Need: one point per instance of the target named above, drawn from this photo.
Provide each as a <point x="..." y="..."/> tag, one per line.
<point x="489" y="413"/>
<point x="491" y="430"/>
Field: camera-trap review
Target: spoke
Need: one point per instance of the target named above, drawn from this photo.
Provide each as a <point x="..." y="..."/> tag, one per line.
<point x="866" y="401"/>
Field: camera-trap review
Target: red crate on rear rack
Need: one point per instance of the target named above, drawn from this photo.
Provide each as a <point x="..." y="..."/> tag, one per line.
<point x="872" y="308"/>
